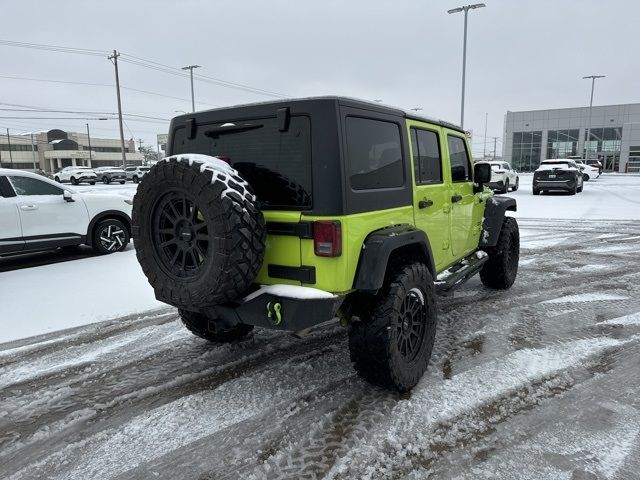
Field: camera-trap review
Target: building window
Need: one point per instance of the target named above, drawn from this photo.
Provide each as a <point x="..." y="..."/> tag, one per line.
<point x="562" y="143"/>
<point x="525" y="155"/>
<point x="17" y="147"/>
<point x="603" y="140"/>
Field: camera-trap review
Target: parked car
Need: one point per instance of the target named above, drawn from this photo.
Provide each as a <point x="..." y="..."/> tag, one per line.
<point x="38" y="214"/>
<point x="589" y="172"/>
<point x="76" y="175"/>
<point x="353" y="234"/>
<point x="111" y="174"/>
<point x="595" y="163"/>
<point x="503" y="177"/>
<point x="557" y="174"/>
<point x="135" y="174"/>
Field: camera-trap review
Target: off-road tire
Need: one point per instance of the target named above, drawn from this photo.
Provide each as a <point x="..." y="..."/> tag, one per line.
<point x="374" y="339"/>
<point x="213" y="330"/>
<point x="232" y="241"/>
<point x="501" y="269"/>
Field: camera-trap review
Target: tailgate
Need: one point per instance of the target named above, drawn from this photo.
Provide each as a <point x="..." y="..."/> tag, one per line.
<point x="282" y="260"/>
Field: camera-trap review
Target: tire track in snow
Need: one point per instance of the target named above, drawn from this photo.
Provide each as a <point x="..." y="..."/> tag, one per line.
<point x="412" y="422"/>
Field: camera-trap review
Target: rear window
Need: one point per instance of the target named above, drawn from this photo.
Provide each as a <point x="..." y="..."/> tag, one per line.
<point x="375" y="154"/>
<point x="276" y="164"/>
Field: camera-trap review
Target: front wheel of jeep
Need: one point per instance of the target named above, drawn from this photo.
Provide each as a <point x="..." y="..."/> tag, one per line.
<point x="391" y="344"/>
<point x="502" y="267"/>
<point x="212" y="329"/>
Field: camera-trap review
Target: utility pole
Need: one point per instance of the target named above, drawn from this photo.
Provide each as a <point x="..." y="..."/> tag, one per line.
<point x="588" y="139"/>
<point x="190" y="68"/>
<point x="464" y="9"/>
<point x="495" y="140"/>
<point x="89" y="140"/>
<point x="114" y="58"/>
<point x="33" y="153"/>
<point x="9" y="142"/>
<point x="484" y="149"/>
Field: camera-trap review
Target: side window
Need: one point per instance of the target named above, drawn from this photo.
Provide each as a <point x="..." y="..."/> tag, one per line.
<point x="375" y="154"/>
<point x="427" y="162"/>
<point x="32" y="186"/>
<point x="506" y="166"/>
<point x="460" y="164"/>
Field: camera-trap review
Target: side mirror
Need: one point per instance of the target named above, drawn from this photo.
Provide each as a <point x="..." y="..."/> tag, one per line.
<point x="67" y="196"/>
<point x="481" y="173"/>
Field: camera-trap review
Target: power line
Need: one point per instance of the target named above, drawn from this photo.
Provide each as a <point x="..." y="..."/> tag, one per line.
<point x="31" y="79"/>
<point x="54" y="48"/>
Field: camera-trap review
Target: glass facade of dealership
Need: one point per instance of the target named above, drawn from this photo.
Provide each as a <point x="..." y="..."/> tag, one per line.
<point x="533" y="136"/>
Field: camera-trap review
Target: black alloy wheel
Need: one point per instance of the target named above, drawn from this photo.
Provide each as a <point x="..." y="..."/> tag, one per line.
<point x="411" y="325"/>
<point x="180" y="234"/>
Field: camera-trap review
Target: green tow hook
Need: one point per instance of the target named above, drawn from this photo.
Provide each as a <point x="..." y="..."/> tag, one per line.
<point x="274" y="312"/>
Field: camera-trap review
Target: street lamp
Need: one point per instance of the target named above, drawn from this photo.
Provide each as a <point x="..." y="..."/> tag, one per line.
<point x="190" y="68"/>
<point x="89" y="140"/>
<point x="593" y="82"/>
<point x="464" y="9"/>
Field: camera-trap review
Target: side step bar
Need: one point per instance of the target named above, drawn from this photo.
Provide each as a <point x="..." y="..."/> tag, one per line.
<point x="459" y="273"/>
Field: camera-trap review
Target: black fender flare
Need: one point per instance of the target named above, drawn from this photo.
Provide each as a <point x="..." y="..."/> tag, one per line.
<point x="117" y="214"/>
<point x="494" y="214"/>
<point x="378" y="248"/>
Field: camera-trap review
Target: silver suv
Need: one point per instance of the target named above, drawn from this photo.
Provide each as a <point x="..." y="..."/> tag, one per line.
<point x="110" y="174"/>
<point x="136" y="173"/>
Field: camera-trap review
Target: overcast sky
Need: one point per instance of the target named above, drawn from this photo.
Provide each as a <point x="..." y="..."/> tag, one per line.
<point x="521" y="55"/>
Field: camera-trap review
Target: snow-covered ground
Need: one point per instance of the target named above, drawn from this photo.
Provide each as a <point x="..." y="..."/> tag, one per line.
<point x="537" y="382"/>
<point x="610" y="197"/>
<point x="47" y="298"/>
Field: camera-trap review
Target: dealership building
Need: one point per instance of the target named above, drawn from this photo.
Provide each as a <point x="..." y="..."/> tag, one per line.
<point x="533" y="136"/>
<point x="55" y="149"/>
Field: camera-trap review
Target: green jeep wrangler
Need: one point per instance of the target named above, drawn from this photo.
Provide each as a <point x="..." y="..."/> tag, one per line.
<point x="288" y="214"/>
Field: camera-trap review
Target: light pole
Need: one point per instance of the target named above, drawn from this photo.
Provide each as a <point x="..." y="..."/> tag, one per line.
<point x="89" y="141"/>
<point x="464" y="9"/>
<point x="588" y="139"/>
<point x="190" y="68"/>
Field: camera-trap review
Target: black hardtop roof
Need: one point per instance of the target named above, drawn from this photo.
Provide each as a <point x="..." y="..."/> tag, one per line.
<point x="345" y="101"/>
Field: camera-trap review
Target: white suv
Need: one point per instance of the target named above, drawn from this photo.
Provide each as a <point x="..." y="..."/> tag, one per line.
<point x="135" y="174"/>
<point x="503" y="177"/>
<point x="75" y="175"/>
<point x="38" y="214"/>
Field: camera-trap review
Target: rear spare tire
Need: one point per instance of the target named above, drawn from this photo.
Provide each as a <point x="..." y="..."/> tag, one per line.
<point x="198" y="233"/>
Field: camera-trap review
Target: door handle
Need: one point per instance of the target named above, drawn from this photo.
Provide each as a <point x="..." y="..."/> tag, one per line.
<point x="456" y="198"/>
<point x="425" y="203"/>
<point x="28" y="207"/>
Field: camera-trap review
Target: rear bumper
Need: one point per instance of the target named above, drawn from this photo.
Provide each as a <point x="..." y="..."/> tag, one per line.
<point x="567" y="185"/>
<point x="275" y="308"/>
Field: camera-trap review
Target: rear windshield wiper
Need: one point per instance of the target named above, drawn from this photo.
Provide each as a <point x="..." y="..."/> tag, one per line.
<point x="221" y="130"/>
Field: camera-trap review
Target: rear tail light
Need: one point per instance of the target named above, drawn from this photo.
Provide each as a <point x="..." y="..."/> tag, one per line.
<point x="327" y="238"/>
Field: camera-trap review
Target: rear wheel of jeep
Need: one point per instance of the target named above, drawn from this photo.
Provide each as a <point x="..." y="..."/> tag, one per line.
<point x="213" y="329"/>
<point x="502" y="267"/>
<point x="199" y="236"/>
<point x="391" y="344"/>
